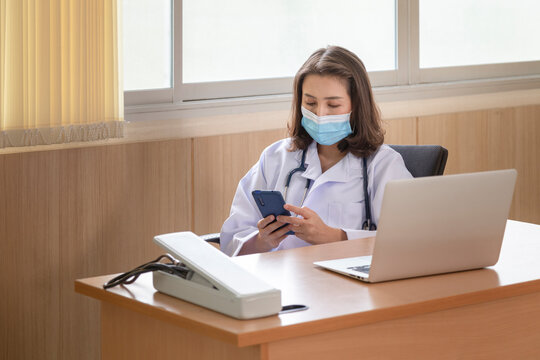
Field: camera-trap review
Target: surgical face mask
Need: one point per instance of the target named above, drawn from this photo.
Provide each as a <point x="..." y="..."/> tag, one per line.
<point x="326" y="130"/>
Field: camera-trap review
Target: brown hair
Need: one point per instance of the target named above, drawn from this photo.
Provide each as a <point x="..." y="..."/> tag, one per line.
<point x="367" y="134"/>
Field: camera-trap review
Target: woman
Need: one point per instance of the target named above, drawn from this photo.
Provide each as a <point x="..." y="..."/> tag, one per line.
<point x="335" y="126"/>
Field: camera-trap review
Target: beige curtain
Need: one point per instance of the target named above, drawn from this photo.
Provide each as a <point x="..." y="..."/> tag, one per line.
<point x="60" y="79"/>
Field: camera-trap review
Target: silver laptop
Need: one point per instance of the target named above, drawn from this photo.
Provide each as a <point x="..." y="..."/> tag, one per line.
<point x="436" y="225"/>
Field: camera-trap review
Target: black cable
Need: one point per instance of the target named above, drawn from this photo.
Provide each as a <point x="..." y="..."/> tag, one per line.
<point x="174" y="267"/>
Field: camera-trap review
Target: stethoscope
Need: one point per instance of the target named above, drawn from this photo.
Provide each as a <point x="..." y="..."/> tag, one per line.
<point x="367" y="224"/>
<point x="301" y="168"/>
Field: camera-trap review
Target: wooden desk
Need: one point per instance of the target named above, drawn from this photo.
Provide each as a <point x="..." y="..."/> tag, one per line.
<point x="491" y="313"/>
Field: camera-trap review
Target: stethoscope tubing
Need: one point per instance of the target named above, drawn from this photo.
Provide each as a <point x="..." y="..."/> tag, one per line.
<point x="367" y="224"/>
<point x="301" y="168"/>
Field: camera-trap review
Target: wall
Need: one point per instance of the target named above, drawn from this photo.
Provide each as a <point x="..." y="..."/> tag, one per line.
<point x="489" y="140"/>
<point x="74" y="213"/>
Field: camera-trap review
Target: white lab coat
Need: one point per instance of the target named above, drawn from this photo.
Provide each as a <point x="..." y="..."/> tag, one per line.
<point x="336" y="195"/>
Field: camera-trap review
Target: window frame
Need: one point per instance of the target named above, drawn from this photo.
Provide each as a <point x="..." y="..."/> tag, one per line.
<point x="460" y="73"/>
<point x="407" y="78"/>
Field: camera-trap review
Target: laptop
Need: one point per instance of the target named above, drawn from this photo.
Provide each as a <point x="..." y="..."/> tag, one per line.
<point x="435" y="225"/>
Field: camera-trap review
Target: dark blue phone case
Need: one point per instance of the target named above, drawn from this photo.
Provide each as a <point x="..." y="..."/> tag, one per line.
<point x="271" y="203"/>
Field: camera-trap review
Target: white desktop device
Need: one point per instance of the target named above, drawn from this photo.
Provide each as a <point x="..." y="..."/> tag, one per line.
<point x="436" y="225"/>
<point x="215" y="281"/>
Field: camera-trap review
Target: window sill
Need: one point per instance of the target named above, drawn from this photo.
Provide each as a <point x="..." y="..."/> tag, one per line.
<point x="227" y="116"/>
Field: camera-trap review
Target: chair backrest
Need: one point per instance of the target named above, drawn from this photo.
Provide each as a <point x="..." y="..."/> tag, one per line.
<point x="423" y="160"/>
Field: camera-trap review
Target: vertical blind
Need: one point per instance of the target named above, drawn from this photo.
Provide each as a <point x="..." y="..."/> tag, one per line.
<point x="60" y="79"/>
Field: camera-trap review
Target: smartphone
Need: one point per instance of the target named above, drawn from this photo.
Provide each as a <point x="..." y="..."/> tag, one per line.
<point x="271" y="203"/>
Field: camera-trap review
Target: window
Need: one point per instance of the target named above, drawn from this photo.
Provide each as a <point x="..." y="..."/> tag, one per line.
<point x="463" y="37"/>
<point x="179" y="51"/>
<point x="462" y="32"/>
<point x="243" y="39"/>
<point x="241" y="42"/>
<point x="147" y="36"/>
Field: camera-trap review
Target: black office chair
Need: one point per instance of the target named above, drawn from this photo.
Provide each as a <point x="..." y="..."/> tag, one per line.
<point x="423" y="160"/>
<point x="420" y="160"/>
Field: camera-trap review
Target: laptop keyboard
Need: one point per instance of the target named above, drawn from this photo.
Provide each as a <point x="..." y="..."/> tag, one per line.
<point x="363" y="268"/>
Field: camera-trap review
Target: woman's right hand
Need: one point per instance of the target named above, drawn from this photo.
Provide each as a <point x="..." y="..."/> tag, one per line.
<point x="267" y="238"/>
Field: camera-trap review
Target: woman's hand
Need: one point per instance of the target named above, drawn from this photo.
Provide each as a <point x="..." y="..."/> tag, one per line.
<point x="310" y="227"/>
<point x="267" y="238"/>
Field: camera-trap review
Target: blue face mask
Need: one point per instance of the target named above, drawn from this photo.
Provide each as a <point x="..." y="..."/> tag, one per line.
<point x="326" y="130"/>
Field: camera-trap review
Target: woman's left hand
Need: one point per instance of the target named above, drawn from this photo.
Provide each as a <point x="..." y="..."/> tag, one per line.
<point x="310" y="227"/>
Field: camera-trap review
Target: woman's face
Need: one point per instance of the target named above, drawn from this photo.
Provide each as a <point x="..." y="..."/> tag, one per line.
<point x="325" y="95"/>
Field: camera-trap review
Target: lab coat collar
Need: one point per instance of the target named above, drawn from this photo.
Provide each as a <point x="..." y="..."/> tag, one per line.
<point x="313" y="164"/>
<point x="346" y="169"/>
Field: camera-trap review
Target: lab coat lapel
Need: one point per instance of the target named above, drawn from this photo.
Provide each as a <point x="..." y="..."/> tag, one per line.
<point x="313" y="164"/>
<point x="345" y="170"/>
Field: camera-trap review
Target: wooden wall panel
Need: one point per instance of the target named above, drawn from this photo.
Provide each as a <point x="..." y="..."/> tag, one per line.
<point x="30" y="258"/>
<point x="219" y="164"/>
<point x="490" y="140"/>
<point x="463" y="134"/>
<point x="77" y="213"/>
<point x="527" y="161"/>
<point x="400" y="131"/>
